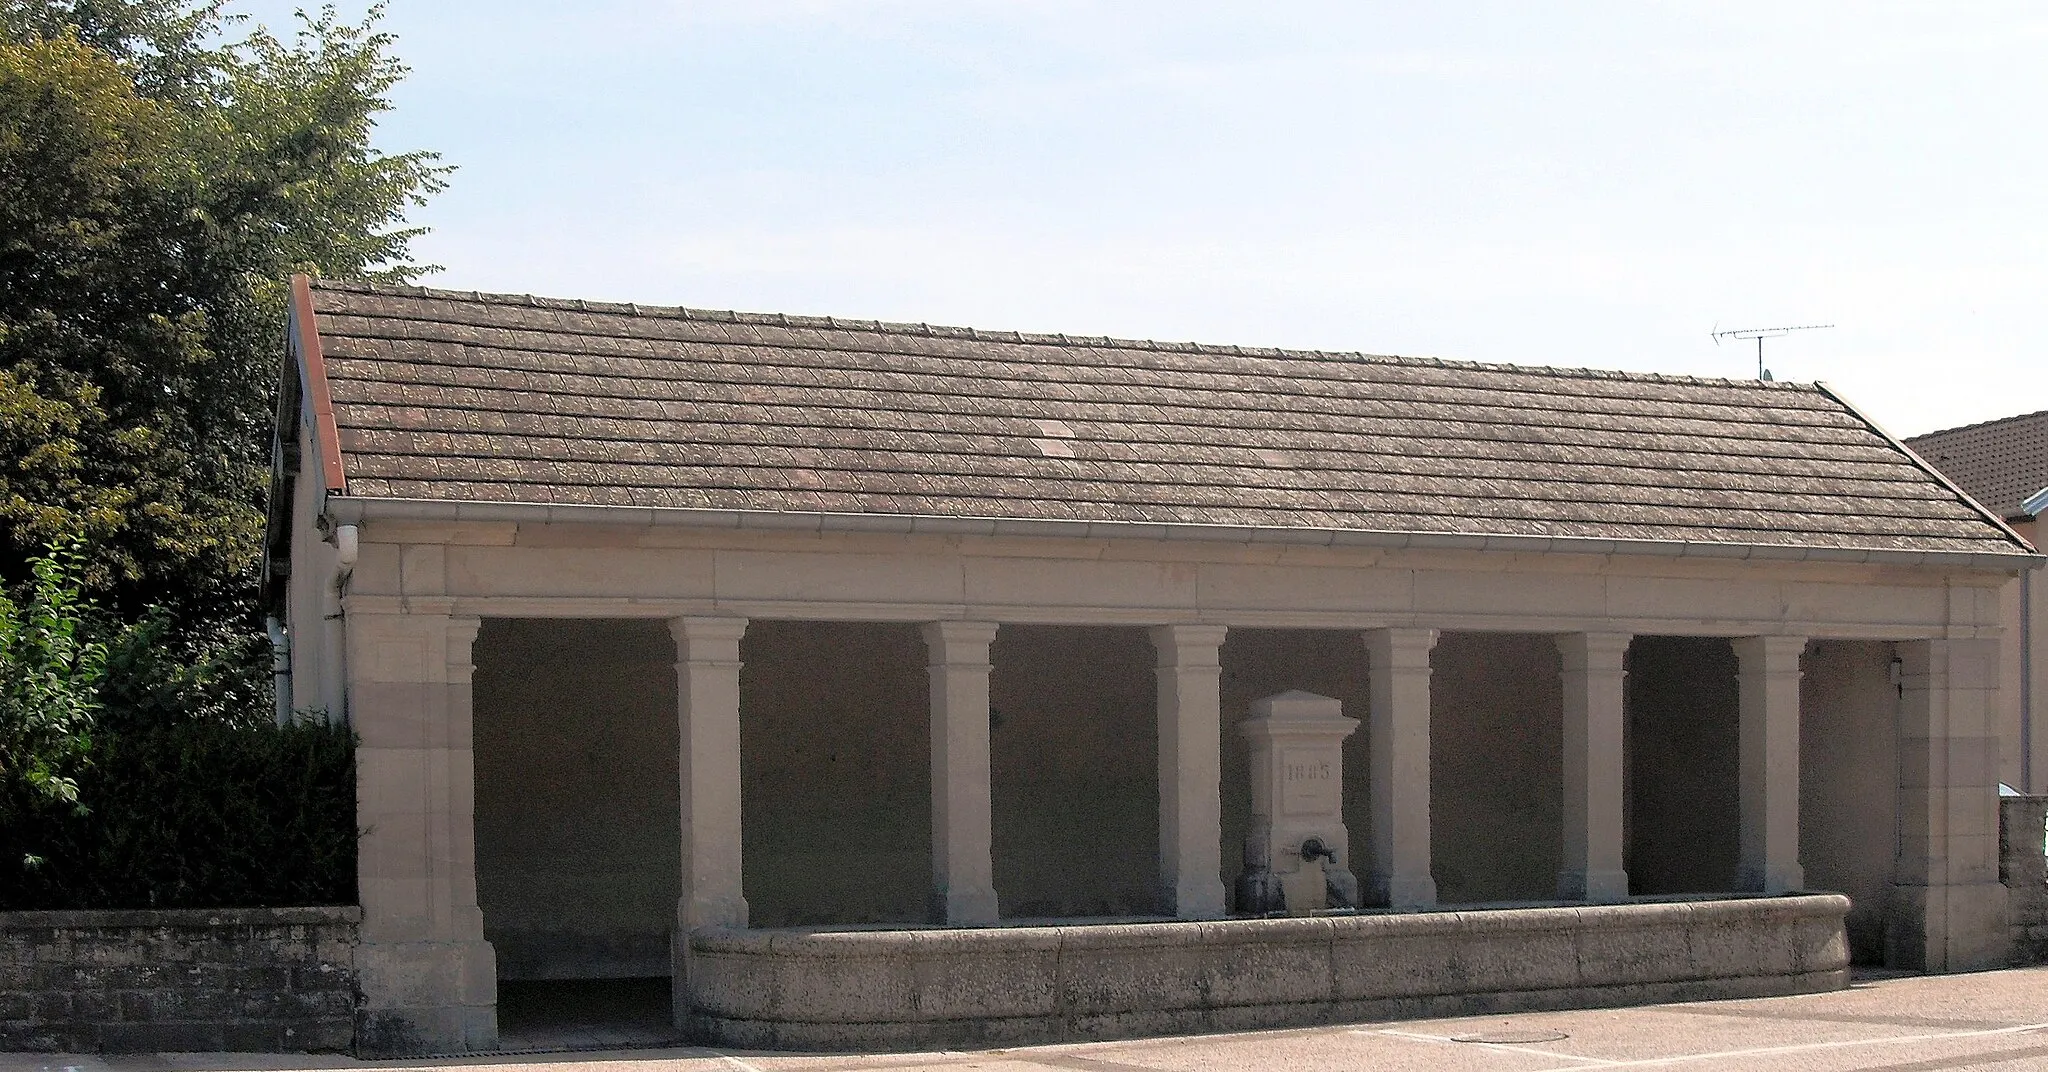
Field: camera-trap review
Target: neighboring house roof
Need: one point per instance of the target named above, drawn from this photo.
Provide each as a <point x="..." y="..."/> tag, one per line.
<point x="2000" y="463"/>
<point x="449" y="397"/>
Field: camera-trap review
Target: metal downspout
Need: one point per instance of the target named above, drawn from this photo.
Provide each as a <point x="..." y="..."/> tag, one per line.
<point x="280" y="668"/>
<point x="346" y="546"/>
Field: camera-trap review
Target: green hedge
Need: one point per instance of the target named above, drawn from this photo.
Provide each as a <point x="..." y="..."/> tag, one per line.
<point x="194" y="815"/>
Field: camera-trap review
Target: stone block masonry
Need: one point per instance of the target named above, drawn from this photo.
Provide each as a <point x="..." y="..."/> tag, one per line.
<point x="249" y="979"/>
<point x="2023" y="868"/>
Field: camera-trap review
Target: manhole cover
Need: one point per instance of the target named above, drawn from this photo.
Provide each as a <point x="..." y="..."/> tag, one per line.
<point x="1512" y="1036"/>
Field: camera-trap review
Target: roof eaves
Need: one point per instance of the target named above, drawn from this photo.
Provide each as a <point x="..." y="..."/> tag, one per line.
<point x="351" y="509"/>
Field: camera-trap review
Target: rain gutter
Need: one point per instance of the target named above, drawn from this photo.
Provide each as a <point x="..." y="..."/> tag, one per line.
<point x="354" y="509"/>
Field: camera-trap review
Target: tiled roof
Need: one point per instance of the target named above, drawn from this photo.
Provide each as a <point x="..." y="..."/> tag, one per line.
<point x="2000" y="463"/>
<point x="441" y="395"/>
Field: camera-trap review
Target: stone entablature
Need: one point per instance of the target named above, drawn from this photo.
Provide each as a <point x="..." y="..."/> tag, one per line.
<point x="525" y="569"/>
<point x="849" y="988"/>
<point x="268" y="980"/>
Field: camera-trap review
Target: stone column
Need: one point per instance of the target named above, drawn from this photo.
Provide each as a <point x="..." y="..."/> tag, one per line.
<point x="708" y="763"/>
<point x="1947" y="908"/>
<point x="1767" y="684"/>
<point x="429" y="980"/>
<point x="708" y="715"/>
<point x="1593" y="762"/>
<point x="963" y="868"/>
<point x="1398" y="661"/>
<point x="1190" y="770"/>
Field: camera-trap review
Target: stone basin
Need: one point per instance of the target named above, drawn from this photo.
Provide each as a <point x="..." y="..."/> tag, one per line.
<point x="817" y="988"/>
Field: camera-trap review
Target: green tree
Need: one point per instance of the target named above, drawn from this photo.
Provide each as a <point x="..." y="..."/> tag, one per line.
<point x="156" y="191"/>
<point x="160" y="179"/>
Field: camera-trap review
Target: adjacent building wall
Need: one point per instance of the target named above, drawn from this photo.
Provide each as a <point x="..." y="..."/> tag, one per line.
<point x="312" y="607"/>
<point x="2023" y="869"/>
<point x="577" y="827"/>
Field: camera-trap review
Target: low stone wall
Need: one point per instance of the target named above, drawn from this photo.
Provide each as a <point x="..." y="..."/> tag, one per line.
<point x="806" y="989"/>
<point x="253" y="979"/>
<point x="2023" y="868"/>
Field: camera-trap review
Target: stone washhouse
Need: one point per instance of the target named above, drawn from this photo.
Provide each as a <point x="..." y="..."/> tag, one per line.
<point x="899" y="685"/>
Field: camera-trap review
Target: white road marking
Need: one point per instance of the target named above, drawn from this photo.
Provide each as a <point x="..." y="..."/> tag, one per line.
<point x="736" y="1063"/>
<point x="1764" y="1051"/>
<point x="1507" y="1046"/>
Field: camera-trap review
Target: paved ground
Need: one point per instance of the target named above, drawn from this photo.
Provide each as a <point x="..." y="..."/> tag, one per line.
<point x="1994" y="1020"/>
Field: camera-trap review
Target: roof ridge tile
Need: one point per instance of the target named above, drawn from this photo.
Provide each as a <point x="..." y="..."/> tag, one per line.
<point x="787" y="320"/>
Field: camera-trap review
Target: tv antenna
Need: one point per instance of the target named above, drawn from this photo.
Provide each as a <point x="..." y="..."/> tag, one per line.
<point x="1760" y="334"/>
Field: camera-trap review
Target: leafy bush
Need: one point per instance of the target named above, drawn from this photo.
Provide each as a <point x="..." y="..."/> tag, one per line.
<point x="49" y="686"/>
<point x="193" y="815"/>
<point x="144" y="770"/>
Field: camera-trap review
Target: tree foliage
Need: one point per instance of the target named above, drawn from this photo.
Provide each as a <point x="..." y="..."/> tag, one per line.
<point x="160" y="179"/>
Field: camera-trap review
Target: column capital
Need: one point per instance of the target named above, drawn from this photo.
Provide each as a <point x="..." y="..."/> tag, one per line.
<point x="1187" y="645"/>
<point x="707" y="640"/>
<point x="1587" y="652"/>
<point x="950" y="642"/>
<point x="1401" y="647"/>
<point x="1974" y="661"/>
<point x="461" y="643"/>
<point x="1768" y="654"/>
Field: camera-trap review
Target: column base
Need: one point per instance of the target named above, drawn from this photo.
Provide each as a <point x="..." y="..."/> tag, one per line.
<point x="1783" y="878"/>
<point x="1947" y="928"/>
<point x="426" y="998"/>
<point x="1194" y="899"/>
<point x="1604" y="887"/>
<point x="1401" y="891"/>
<point x="964" y="908"/>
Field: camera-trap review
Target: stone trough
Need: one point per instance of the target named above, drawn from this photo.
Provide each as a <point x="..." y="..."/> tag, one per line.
<point x="819" y="989"/>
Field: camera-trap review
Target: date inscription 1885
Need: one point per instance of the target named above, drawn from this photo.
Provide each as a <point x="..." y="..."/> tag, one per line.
<point x="1308" y="783"/>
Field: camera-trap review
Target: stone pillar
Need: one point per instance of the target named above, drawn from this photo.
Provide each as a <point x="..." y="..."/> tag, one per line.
<point x="1593" y="763"/>
<point x="429" y="980"/>
<point x="1190" y="770"/>
<point x="708" y="763"/>
<point x="1947" y="908"/>
<point x="963" y="868"/>
<point x="1767" y="684"/>
<point x="1398" y="660"/>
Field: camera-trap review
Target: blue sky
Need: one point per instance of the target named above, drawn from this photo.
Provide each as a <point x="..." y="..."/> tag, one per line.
<point x="1595" y="184"/>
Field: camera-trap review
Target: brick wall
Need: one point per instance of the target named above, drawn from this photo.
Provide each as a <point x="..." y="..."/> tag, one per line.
<point x="2024" y="870"/>
<point x="252" y="979"/>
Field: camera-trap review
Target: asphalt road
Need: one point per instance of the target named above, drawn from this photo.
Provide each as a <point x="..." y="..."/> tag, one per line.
<point x="1992" y="1020"/>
